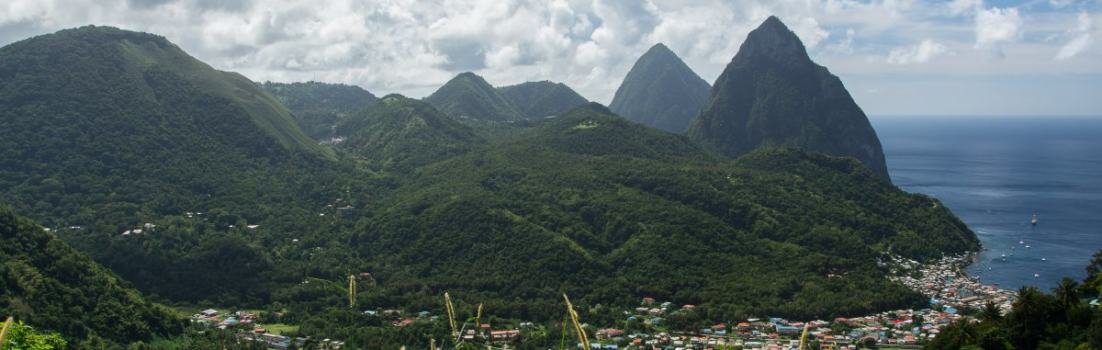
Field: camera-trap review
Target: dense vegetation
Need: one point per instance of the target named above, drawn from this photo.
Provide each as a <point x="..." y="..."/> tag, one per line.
<point x="50" y="285"/>
<point x="319" y="107"/>
<point x="773" y="94"/>
<point x="469" y="96"/>
<point x="400" y="133"/>
<point x="541" y="99"/>
<point x="108" y="132"/>
<point x="1061" y="320"/>
<point x="609" y="210"/>
<point x="99" y="122"/>
<point x="21" y="336"/>
<point x="660" y="91"/>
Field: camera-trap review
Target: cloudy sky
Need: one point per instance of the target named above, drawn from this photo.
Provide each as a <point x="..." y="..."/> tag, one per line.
<point x="960" y="57"/>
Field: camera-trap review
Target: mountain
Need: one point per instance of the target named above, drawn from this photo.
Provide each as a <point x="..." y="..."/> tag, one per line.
<point x="608" y="210"/>
<point x="469" y="96"/>
<point x="98" y="118"/>
<point x="540" y="99"/>
<point x="660" y="91"/>
<point x="773" y="94"/>
<point x="137" y="158"/>
<point x="51" y="286"/>
<point x="317" y="107"/>
<point x="109" y="130"/>
<point x="400" y="133"/>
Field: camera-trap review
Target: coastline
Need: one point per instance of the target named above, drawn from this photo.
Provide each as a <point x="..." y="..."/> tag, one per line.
<point x="948" y="285"/>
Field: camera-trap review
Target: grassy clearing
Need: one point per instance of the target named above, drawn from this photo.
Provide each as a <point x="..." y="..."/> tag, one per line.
<point x="280" y="328"/>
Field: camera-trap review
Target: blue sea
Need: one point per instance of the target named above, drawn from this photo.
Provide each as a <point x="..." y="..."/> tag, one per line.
<point x="995" y="173"/>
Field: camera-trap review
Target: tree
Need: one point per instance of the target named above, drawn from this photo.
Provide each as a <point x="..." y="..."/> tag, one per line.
<point x="1066" y="293"/>
<point x="1031" y="314"/>
<point x="990" y="313"/>
<point x="24" y="337"/>
<point x="1095" y="266"/>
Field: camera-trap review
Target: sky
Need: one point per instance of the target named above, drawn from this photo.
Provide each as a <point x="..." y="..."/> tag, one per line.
<point x="896" y="57"/>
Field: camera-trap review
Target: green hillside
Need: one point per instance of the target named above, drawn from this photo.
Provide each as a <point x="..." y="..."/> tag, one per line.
<point x="46" y="283"/>
<point x="106" y="130"/>
<point x="541" y="99"/>
<point x="318" y="107"/>
<point x="400" y="133"/>
<point x="108" y="121"/>
<point x="109" y="131"/>
<point x="469" y="96"/>
<point x="609" y="210"/>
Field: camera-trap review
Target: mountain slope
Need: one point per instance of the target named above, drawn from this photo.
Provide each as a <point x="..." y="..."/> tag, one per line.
<point x="608" y="210"/>
<point x="773" y="94"/>
<point x="318" y="107"/>
<point x="108" y="130"/>
<point x="99" y="118"/>
<point x="660" y="91"/>
<point x="47" y="284"/>
<point x="469" y="96"/>
<point x="399" y="133"/>
<point x="540" y="99"/>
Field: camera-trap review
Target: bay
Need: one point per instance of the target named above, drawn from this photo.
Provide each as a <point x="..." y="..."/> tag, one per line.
<point x="995" y="173"/>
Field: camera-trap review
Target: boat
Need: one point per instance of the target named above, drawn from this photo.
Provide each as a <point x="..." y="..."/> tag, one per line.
<point x="1034" y="220"/>
<point x="1036" y="275"/>
<point x="1021" y="242"/>
<point x="1027" y="246"/>
<point x="1044" y="259"/>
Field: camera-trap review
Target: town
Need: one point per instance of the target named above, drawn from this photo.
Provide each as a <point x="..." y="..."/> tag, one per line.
<point x="950" y="291"/>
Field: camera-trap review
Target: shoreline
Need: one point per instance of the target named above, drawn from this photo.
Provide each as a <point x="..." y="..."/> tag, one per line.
<point x="947" y="283"/>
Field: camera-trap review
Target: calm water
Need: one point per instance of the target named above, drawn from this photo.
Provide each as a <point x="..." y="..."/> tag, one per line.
<point x="994" y="173"/>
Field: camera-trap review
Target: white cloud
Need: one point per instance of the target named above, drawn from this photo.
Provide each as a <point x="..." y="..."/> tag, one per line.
<point x="414" y="46"/>
<point x="920" y="53"/>
<point x="1060" y="3"/>
<point x="996" y="26"/>
<point x="809" y="31"/>
<point x="1081" y="38"/>
<point x="959" y="7"/>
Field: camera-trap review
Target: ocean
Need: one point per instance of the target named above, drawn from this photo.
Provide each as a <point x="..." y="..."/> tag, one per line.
<point x="995" y="174"/>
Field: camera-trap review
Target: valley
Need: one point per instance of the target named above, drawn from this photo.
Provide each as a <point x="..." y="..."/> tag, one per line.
<point x="138" y="183"/>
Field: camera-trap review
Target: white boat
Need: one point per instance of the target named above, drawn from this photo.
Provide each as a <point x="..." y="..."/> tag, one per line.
<point x="1034" y="220"/>
<point x="1036" y="275"/>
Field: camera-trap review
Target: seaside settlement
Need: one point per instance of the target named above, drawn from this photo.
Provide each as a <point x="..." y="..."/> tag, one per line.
<point x="945" y="283"/>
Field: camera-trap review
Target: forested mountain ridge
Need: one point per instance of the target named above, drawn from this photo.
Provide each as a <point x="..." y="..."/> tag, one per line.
<point x="106" y="120"/>
<point x="773" y="94"/>
<point x="107" y="130"/>
<point x="541" y="99"/>
<point x="468" y="95"/>
<point x="46" y="283"/>
<point x="318" y="107"/>
<point x="399" y="133"/>
<point x="587" y="203"/>
<point x="591" y="204"/>
<point x="660" y="91"/>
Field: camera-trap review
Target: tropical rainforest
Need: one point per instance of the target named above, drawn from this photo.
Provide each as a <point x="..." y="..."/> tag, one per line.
<point x="148" y="178"/>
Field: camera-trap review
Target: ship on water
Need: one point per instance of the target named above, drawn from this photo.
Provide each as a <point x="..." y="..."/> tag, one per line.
<point x="1034" y="220"/>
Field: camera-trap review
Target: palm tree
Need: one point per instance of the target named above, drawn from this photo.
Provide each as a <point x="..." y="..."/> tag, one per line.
<point x="1066" y="292"/>
<point x="990" y="313"/>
